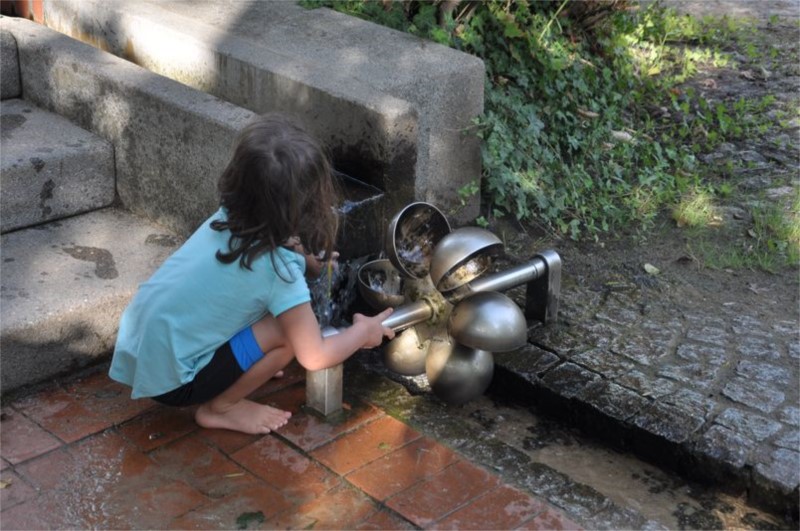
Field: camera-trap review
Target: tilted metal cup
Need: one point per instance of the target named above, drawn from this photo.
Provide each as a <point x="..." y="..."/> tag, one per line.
<point x="411" y="237"/>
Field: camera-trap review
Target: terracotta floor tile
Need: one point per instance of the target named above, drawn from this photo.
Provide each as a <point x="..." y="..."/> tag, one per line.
<point x="61" y="413"/>
<point x="340" y="508"/>
<point x="227" y="441"/>
<point x="28" y="515"/>
<point x="502" y="508"/>
<point x="151" y="507"/>
<point x="292" y="375"/>
<point x="21" y="439"/>
<point x="3" y="463"/>
<point x="309" y="431"/>
<point x="402" y="468"/>
<point x="98" y="462"/>
<point x="159" y="426"/>
<point x="429" y="501"/>
<point x="291" y="398"/>
<point x="367" y="443"/>
<point x="286" y="469"/>
<point x="234" y="510"/>
<point x="384" y="520"/>
<point x="550" y="519"/>
<point x="15" y="490"/>
<point x="202" y="466"/>
<point x="108" y="400"/>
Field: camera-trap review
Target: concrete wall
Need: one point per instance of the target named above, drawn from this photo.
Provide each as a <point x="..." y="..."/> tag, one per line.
<point x="396" y="110"/>
<point x="9" y="67"/>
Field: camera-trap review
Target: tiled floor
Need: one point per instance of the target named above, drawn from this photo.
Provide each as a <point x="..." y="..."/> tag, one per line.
<point x="83" y="455"/>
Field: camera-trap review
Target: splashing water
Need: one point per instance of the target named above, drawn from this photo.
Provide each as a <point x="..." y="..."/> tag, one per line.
<point x="334" y="291"/>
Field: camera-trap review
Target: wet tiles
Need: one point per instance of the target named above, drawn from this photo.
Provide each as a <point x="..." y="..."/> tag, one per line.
<point x="370" y="442"/>
<point x="22" y="439"/>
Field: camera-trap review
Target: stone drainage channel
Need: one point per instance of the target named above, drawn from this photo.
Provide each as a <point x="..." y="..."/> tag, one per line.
<point x="446" y="313"/>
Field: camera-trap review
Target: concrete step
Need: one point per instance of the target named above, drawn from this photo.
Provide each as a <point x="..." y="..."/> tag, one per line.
<point x="50" y="167"/>
<point x="64" y="286"/>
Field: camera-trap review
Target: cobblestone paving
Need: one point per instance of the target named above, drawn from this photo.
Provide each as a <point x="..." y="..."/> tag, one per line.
<point x="712" y="394"/>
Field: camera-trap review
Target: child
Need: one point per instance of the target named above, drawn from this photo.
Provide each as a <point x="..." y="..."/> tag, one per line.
<point x="231" y="308"/>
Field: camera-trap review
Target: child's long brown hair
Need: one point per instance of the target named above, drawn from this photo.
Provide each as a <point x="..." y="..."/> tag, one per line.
<point x="278" y="184"/>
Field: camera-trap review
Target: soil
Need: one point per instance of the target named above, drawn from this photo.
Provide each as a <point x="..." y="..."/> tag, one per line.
<point x="768" y="169"/>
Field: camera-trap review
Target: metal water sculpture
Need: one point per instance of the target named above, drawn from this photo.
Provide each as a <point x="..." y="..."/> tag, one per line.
<point x="448" y="309"/>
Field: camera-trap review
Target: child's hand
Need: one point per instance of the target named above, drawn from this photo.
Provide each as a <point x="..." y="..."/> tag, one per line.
<point x="374" y="331"/>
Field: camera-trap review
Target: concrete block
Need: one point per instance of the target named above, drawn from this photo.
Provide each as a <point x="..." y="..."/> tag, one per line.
<point x="171" y="142"/>
<point x="50" y="168"/>
<point x="395" y="110"/>
<point x="64" y="286"/>
<point x="9" y="67"/>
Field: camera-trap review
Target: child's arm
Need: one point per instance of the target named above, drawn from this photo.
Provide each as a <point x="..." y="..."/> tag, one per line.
<point x="314" y="353"/>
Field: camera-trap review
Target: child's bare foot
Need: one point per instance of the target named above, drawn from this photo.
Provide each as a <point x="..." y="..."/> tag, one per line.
<point x="245" y="416"/>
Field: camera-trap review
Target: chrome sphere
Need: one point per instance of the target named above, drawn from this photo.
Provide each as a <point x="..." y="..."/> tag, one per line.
<point x="406" y="353"/>
<point x="488" y="320"/>
<point x="456" y="373"/>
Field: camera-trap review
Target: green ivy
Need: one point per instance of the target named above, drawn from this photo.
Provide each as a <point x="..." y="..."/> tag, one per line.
<point x="566" y="138"/>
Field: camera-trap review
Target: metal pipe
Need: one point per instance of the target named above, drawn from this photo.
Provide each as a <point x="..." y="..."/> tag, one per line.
<point x="502" y="280"/>
<point x="409" y="314"/>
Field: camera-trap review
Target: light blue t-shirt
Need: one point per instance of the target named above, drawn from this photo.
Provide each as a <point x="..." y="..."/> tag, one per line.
<point x="193" y="304"/>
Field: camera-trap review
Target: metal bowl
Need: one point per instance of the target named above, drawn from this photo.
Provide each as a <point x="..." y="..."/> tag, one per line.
<point x="458" y="374"/>
<point x="406" y="353"/>
<point x="462" y="256"/>
<point x="380" y="284"/>
<point x="412" y="236"/>
<point x="488" y="320"/>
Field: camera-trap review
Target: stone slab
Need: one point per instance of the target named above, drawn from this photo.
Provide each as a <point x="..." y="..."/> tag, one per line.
<point x="50" y="168"/>
<point x="64" y="286"/>
<point x="9" y="67"/>
<point x="395" y="110"/>
<point x="171" y="141"/>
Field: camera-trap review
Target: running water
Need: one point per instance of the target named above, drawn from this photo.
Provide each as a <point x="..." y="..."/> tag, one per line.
<point x="334" y="291"/>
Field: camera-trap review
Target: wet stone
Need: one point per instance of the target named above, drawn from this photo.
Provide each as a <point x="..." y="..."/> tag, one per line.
<point x="709" y="334"/>
<point x="616" y="517"/>
<point x="696" y="375"/>
<point x="789" y="328"/>
<point x="758" y="348"/>
<point x="713" y="356"/>
<point x="613" y="400"/>
<point x="691" y="402"/>
<point x="790" y="415"/>
<point x="780" y="467"/>
<point x="530" y="362"/>
<point x="604" y="362"/>
<point x="619" y="315"/>
<point x="721" y="444"/>
<point x="559" y="341"/>
<point x="764" y="372"/>
<point x="754" y="394"/>
<point x="647" y="386"/>
<point x="794" y="350"/>
<point x="583" y="501"/>
<point x="789" y="439"/>
<point x="641" y="349"/>
<point x="569" y="379"/>
<point x="747" y="324"/>
<point x="597" y="334"/>
<point x="669" y="422"/>
<point x="750" y="425"/>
